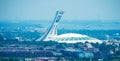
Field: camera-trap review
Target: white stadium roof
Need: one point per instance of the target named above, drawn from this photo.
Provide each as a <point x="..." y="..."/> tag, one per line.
<point x="71" y="35"/>
<point x="73" y="38"/>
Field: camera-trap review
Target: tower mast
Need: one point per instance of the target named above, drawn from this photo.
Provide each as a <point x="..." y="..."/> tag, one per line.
<point x="52" y="31"/>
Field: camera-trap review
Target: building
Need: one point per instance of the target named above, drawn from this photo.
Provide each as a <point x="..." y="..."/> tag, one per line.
<point x="51" y="34"/>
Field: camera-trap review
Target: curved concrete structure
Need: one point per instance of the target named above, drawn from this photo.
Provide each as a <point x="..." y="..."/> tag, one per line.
<point x="51" y="34"/>
<point x="73" y="38"/>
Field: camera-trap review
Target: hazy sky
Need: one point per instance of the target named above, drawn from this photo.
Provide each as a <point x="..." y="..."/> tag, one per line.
<point x="74" y="9"/>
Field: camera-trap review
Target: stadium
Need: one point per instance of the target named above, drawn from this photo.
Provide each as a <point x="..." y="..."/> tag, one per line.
<point x="51" y="34"/>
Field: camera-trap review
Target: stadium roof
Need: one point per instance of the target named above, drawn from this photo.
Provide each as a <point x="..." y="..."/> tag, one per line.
<point x="73" y="38"/>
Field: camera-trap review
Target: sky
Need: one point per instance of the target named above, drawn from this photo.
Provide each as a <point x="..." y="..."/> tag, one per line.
<point x="73" y="9"/>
